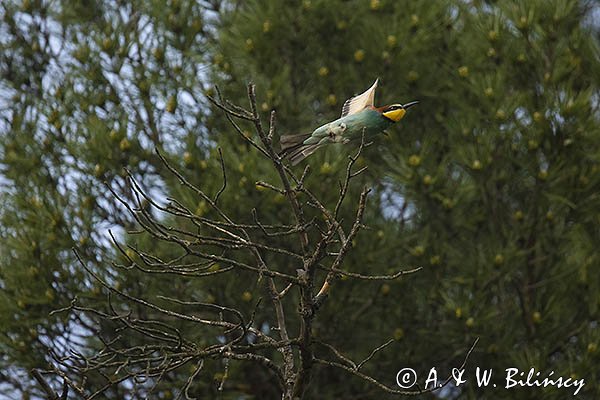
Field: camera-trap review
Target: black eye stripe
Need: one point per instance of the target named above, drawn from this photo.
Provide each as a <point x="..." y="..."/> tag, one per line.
<point x="392" y="108"/>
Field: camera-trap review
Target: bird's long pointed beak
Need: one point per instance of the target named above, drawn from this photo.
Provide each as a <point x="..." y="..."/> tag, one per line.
<point x="408" y="105"/>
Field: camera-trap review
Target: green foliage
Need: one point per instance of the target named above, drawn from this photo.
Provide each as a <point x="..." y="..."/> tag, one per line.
<point x="87" y="88"/>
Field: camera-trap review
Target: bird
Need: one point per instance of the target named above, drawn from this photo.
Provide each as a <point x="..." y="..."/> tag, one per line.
<point x="359" y="117"/>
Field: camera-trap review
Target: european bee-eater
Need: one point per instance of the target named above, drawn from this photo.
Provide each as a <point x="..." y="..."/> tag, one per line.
<point x="359" y="116"/>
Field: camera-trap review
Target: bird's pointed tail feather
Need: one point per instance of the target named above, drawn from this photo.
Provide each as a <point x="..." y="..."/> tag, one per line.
<point x="294" y="149"/>
<point x="302" y="152"/>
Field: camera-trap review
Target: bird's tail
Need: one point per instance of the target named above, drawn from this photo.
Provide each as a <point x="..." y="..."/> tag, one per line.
<point x="294" y="149"/>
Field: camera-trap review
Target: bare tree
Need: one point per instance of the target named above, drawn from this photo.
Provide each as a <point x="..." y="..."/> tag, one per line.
<point x="235" y="246"/>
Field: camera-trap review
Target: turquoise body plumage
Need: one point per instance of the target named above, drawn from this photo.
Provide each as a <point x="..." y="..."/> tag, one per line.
<point x="351" y="128"/>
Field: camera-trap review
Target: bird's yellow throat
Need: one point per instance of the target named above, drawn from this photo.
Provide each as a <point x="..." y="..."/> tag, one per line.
<point x="395" y="115"/>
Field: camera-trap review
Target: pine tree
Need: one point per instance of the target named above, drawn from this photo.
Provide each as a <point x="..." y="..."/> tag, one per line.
<point x="87" y="89"/>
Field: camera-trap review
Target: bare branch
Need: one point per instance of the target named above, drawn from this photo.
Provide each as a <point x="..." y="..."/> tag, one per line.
<point x="349" y="175"/>
<point x="322" y="295"/>
<point x="224" y="177"/>
<point x="388" y="389"/>
<point x="52" y="395"/>
<point x="239" y="113"/>
<point x="375" y="351"/>
<point x="271" y="127"/>
<point x="190" y="380"/>
<point x="373" y="277"/>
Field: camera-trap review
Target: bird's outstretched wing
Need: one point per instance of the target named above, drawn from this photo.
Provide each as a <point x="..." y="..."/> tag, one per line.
<point x="358" y="103"/>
